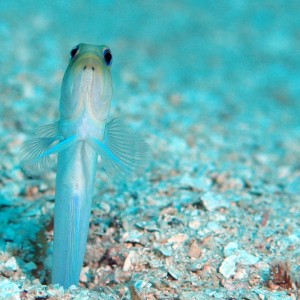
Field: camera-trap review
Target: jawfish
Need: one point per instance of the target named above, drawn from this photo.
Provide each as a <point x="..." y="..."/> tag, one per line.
<point x="82" y="133"/>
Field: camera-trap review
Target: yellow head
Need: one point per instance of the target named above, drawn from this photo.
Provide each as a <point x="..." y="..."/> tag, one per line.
<point x="87" y="83"/>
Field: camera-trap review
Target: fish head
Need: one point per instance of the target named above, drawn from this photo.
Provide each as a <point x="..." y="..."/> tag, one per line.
<point x="87" y="83"/>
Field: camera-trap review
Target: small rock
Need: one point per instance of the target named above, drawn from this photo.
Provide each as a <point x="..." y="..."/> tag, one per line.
<point x="9" y="290"/>
<point x="176" y="274"/>
<point x="195" y="250"/>
<point x="231" y="248"/>
<point x="178" y="238"/>
<point x="132" y="237"/>
<point x="165" y="250"/>
<point x="150" y="226"/>
<point x="84" y="275"/>
<point x="43" y="187"/>
<point x="11" y="264"/>
<point x="241" y="274"/>
<point x="228" y="266"/>
<point x="235" y="256"/>
<point x="195" y="224"/>
<point x="213" y="226"/>
<point x="128" y="261"/>
<point x="195" y="265"/>
<point x="212" y="202"/>
<point x="247" y="259"/>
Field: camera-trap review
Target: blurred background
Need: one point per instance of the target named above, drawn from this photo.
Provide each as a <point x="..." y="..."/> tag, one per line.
<point x="223" y="59"/>
<point x="213" y="86"/>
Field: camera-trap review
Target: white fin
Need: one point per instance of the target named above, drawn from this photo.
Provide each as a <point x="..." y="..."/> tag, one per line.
<point x="48" y="130"/>
<point x="30" y="151"/>
<point x="124" y="153"/>
<point x="35" y="153"/>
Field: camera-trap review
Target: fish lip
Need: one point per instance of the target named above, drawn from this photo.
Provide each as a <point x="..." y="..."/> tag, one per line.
<point x="89" y="58"/>
<point x="88" y="61"/>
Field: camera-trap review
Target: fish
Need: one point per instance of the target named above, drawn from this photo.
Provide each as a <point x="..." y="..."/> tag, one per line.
<point x="83" y="132"/>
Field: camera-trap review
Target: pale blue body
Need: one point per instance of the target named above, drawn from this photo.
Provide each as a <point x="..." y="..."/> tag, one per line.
<point x="74" y="192"/>
<point x="76" y="170"/>
<point x="80" y="136"/>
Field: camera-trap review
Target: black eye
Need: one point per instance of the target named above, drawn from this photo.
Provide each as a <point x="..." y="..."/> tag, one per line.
<point x="107" y="57"/>
<point x="74" y="51"/>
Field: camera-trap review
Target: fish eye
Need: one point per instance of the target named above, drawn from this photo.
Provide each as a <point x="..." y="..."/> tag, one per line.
<point x="107" y="57"/>
<point x="74" y="51"/>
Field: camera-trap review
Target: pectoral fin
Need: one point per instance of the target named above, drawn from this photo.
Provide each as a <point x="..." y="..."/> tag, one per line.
<point x="48" y="130"/>
<point x="35" y="153"/>
<point x="124" y="153"/>
<point x="30" y="151"/>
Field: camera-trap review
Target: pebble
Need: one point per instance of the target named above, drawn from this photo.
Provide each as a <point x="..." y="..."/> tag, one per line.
<point x="128" y="263"/>
<point x="11" y="264"/>
<point x="9" y="290"/>
<point x="213" y="201"/>
<point x="194" y="250"/>
<point x="178" y="238"/>
<point x="84" y="277"/>
<point x="234" y="257"/>
<point x="164" y="250"/>
<point x="176" y="274"/>
<point x="195" y="224"/>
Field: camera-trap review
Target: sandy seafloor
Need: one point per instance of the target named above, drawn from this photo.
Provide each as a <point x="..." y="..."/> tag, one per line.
<point x="214" y="88"/>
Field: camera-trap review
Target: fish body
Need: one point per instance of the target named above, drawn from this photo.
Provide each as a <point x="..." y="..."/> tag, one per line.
<point x="79" y="137"/>
<point x="84" y="105"/>
<point x="73" y="201"/>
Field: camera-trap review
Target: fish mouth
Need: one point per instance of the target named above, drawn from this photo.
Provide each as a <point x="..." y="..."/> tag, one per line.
<point x="88" y="61"/>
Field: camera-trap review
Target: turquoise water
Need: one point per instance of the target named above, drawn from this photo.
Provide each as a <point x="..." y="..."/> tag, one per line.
<point x="214" y="89"/>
